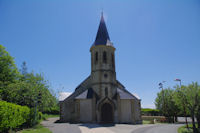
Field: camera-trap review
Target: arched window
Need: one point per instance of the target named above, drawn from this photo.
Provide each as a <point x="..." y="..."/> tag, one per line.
<point x="106" y="91"/>
<point x="113" y="62"/>
<point x="104" y="57"/>
<point x="96" y="57"/>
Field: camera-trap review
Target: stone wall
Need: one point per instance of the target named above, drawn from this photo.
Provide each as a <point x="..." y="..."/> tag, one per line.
<point x="85" y="110"/>
<point x="126" y="116"/>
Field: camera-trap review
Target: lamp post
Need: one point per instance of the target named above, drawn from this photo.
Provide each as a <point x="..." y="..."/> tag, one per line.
<point x="161" y="87"/>
<point x="179" y="80"/>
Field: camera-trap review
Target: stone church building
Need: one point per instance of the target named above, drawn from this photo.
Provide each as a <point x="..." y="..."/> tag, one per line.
<point x="101" y="98"/>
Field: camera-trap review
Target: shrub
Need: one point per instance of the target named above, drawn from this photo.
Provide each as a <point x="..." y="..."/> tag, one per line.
<point x="34" y="118"/>
<point x="40" y="116"/>
<point x="53" y="110"/>
<point x="12" y="116"/>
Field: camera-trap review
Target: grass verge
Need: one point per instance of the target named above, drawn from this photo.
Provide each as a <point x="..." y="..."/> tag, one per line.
<point x="183" y="129"/>
<point x="36" y="129"/>
<point x="46" y="116"/>
<point x="39" y="128"/>
<point x="146" y="122"/>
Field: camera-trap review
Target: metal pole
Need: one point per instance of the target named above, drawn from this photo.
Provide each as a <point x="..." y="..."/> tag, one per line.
<point x="184" y="105"/>
<point x="163" y="100"/>
<point x="184" y="110"/>
<point x="161" y="86"/>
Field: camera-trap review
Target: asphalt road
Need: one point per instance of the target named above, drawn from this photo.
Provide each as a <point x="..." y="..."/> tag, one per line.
<point x="159" y="128"/>
<point x="60" y="127"/>
<point x="109" y="128"/>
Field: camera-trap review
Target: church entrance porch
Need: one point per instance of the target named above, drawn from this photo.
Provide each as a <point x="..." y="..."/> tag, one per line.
<point x="106" y="113"/>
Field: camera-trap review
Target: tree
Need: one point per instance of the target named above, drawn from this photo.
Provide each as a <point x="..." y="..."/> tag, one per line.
<point x="8" y="71"/>
<point x="192" y="100"/>
<point x="24" y="88"/>
<point x="23" y="71"/>
<point x="166" y="104"/>
<point x="180" y="101"/>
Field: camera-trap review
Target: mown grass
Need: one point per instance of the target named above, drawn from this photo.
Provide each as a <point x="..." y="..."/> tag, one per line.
<point x="146" y="122"/>
<point x="183" y="129"/>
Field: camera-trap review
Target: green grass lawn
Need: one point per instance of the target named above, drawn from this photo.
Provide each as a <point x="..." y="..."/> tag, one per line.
<point x="183" y="129"/>
<point x="146" y="122"/>
<point x="36" y="129"/>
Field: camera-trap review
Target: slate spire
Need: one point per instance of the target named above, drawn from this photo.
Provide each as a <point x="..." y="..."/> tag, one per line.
<point x="102" y="37"/>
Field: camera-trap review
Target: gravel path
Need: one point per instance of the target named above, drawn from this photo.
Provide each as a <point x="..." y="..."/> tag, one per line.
<point x="109" y="128"/>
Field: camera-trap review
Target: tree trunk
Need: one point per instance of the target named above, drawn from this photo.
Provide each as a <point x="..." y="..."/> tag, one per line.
<point x="198" y="122"/>
<point x="193" y="123"/>
<point x="197" y="115"/>
<point x="185" y="116"/>
<point x="175" y="117"/>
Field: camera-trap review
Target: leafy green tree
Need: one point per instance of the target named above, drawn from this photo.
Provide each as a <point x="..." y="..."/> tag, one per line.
<point x="24" y="88"/>
<point x="166" y="104"/>
<point x="8" y="71"/>
<point x="192" y="102"/>
<point x="180" y="101"/>
<point x="31" y="91"/>
<point x="24" y="71"/>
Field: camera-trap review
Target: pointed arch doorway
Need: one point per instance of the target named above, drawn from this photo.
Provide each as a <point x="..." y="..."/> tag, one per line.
<point x="106" y="113"/>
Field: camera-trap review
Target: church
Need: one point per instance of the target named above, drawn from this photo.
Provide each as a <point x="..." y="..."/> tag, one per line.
<point x="101" y="98"/>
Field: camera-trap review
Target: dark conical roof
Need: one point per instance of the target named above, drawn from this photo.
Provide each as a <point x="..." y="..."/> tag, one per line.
<point x="102" y="34"/>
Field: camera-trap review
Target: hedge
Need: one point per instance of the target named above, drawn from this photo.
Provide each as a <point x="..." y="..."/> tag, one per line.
<point x="12" y="116"/>
<point x="153" y="118"/>
<point x="150" y="112"/>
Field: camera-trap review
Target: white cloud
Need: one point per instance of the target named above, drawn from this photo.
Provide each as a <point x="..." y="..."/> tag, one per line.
<point x="63" y="95"/>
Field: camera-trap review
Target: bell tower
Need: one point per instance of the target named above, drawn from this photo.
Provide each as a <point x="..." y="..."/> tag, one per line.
<point x="103" y="63"/>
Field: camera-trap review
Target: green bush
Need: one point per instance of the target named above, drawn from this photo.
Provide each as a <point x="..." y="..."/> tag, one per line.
<point x="34" y="117"/>
<point x="40" y="116"/>
<point x="53" y="110"/>
<point x="12" y="116"/>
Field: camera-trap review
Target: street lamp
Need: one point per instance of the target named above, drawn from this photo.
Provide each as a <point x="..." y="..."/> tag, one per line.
<point x="161" y="87"/>
<point x="179" y="80"/>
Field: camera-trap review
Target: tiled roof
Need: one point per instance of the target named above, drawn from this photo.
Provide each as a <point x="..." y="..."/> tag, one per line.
<point x="124" y="94"/>
<point x="87" y="94"/>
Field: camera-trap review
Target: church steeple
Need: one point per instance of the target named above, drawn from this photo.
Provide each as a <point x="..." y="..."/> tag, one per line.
<point x="103" y="61"/>
<point x="102" y="37"/>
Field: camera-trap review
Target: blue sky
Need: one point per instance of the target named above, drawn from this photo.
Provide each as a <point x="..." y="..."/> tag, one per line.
<point x="155" y="40"/>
